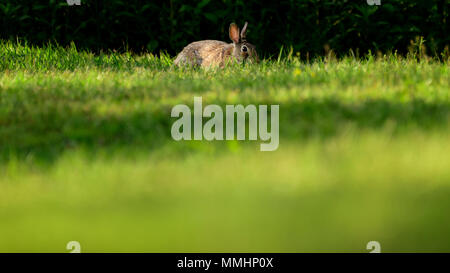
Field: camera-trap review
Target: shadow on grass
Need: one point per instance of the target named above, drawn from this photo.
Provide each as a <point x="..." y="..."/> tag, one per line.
<point x="45" y="133"/>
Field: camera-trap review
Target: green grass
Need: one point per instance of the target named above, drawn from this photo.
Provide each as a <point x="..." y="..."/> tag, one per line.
<point x="86" y="155"/>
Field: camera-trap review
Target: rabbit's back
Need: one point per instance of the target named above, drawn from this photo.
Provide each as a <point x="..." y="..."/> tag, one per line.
<point x="204" y="53"/>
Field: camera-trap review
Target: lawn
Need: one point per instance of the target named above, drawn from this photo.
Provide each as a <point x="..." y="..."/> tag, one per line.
<point x="86" y="155"/>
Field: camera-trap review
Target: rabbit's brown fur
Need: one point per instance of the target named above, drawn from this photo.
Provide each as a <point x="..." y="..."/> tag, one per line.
<point x="211" y="53"/>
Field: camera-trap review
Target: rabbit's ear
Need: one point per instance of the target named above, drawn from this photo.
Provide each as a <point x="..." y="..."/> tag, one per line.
<point x="234" y="33"/>
<point x="244" y="33"/>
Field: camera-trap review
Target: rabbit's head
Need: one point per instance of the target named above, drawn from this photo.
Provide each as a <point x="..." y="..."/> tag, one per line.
<point x="243" y="51"/>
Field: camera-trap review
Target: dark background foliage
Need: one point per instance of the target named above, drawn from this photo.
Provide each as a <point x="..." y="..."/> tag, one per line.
<point x="154" y="25"/>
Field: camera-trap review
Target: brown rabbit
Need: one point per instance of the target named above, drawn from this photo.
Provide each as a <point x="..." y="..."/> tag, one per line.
<point x="210" y="53"/>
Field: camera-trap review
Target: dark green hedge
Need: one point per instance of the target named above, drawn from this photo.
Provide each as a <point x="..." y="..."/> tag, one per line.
<point x="307" y="25"/>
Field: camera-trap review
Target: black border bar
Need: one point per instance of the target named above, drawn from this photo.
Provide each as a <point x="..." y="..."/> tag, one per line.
<point x="225" y="262"/>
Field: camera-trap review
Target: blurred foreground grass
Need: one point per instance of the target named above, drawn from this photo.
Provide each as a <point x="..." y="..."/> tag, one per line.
<point x="86" y="155"/>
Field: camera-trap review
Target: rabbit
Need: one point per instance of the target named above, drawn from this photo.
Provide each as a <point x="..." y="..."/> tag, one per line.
<point x="212" y="53"/>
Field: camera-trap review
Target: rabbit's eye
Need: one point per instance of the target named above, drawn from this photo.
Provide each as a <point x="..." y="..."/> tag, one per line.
<point x="244" y="48"/>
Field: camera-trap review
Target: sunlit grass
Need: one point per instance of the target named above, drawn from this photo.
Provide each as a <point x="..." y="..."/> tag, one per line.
<point x="86" y="154"/>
